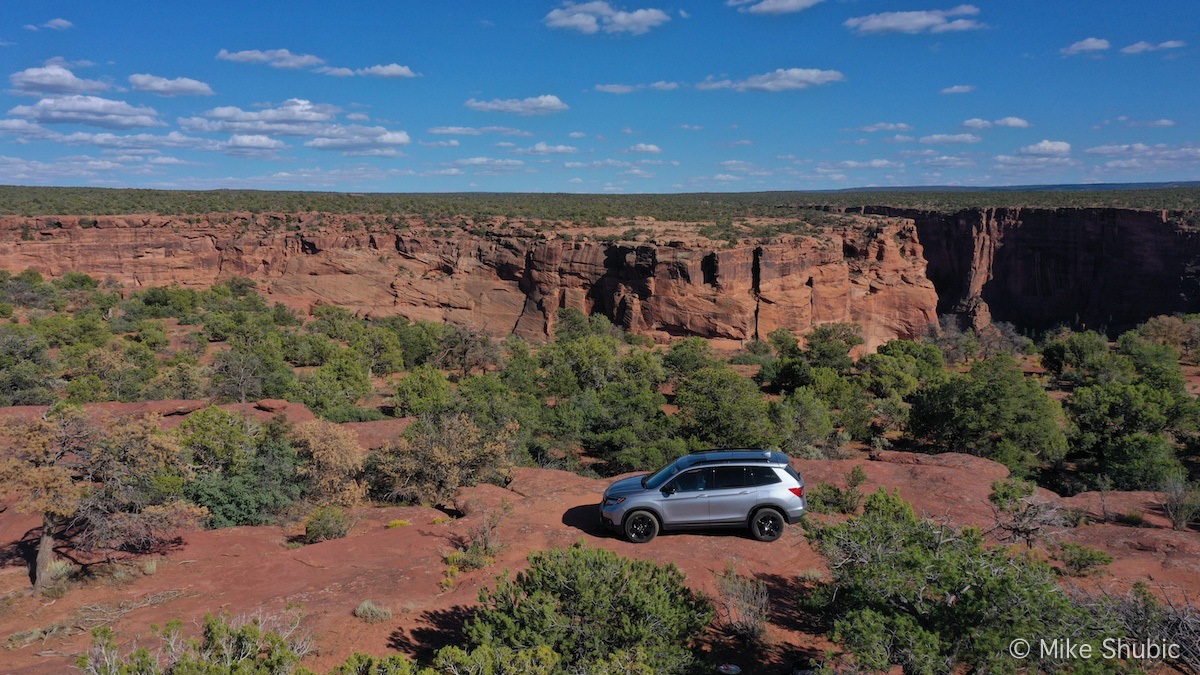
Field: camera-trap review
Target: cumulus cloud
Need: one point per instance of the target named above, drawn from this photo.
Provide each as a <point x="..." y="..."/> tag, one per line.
<point x="111" y="141"/>
<point x="1140" y="47"/>
<point x="452" y="143"/>
<point x="478" y="131"/>
<point x="276" y="58"/>
<point x="1142" y="157"/>
<point x="89" y="110"/>
<point x="593" y="17"/>
<point x="537" y="105"/>
<point x="1031" y="163"/>
<point x="356" y="140"/>
<point x="661" y="85"/>
<point x="180" y="86"/>
<point x="598" y="164"/>
<point x="947" y="162"/>
<point x="958" y="89"/>
<point x="252" y="145"/>
<point x="782" y="79"/>
<point x="935" y="139"/>
<point x="576" y="134"/>
<point x="644" y="149"/>
<point x="1161" y="123"/>
<point x="772" y="6"/>
<point x="885" y="126"/>
<point x="52" y="78"/>
<point x="870" y="164"/>
<point x="1011" y="122"/>
<point x="1086" y="46"/>
<point x="391" y="71"/>
<point x="293" y="117"/>
<point x="541" y="148"/>
<point x="52" y="24"/>
<point x="1046" y="148"/>
<point x="932" y="21"/>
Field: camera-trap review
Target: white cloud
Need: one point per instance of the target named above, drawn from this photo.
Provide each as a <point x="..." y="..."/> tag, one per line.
<point x="885" y="126"/>
<point x="1162" y="123"/>
<point x="1031" y="163"/>
<point x="541" y="148"/>
<point x="870" y="164"/>
<point x="452" y="143"/>
<point x="592" y="17"/>
<point x="358" y="117"/>
<point x="180" y="86"/>
<point x="357" y="140"/>
<point x="90" y="110"/>
<point x="1142" y="157"/>
<point x="1047" y="148"/>
<point x="1139" y="47"/>
<point x="691" y="127"/>
<point x="391" y="70"/>
<point x="1086" y="46"/>
<point x="782" y="79"/>
<point x="106" y="140"/>
<point x="1013" y="123"/>
<point x="933" y="21"/>
<point x="576" y="134"/>
<point x="52" y="78"/>
<point x="252" y="145"/>
<point x="772" y="6"/>
<point x="638" y="173"/>
<point x="661" y="85"/>
<point x="52" y="24"/>
<point x="276" y="58"/>
<point x="444" y="172"/>
<point x="537" y="105"/>
<point x="644" y="149"/>
<point x="959" y="89"/>
<point x="950" y="138"/>
<point x="598" y="164"/>
<point x="899" y="138"/>
<point x="947" y="162"/>
<point x="478" y="131"/>
<point x="293" y="117"/>
<point x="726" y="177"/>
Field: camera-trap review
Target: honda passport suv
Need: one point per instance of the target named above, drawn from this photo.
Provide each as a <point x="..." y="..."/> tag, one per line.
<point x="757" y="489"/>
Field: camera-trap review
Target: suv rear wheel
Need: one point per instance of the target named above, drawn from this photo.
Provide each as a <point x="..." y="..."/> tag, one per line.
<point x="767" y="525"/>
<point x="641" y="527"/>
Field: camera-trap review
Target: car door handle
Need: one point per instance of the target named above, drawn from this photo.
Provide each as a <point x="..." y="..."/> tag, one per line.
<point x="745" y="492"/>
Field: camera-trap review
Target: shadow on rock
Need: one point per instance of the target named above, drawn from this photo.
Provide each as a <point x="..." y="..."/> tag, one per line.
<point x="441" y="628"/>
<point x="585" y="518"/>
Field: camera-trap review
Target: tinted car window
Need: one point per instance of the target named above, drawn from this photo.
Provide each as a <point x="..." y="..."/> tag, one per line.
<point x="693" y="481"/>
<point x="763" y="475"/>
<point x="727" y="477"/>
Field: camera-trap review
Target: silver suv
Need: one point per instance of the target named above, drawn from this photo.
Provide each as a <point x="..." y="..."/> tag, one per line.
<point x="746" y="488"/>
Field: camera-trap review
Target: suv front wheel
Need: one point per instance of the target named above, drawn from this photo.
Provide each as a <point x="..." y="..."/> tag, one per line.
<point x="767" y="525"/>
<point x="641" y="527"/>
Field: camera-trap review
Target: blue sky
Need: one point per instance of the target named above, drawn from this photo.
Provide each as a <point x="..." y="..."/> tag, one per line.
<point x="620" y="96"/>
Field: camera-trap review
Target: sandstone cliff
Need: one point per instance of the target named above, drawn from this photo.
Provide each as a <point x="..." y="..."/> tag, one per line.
<point x="511" y="279"/>
<point x="1037" y="268"/>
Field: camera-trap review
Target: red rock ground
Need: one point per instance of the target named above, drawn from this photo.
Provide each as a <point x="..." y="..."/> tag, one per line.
<point x="250" y="569"/>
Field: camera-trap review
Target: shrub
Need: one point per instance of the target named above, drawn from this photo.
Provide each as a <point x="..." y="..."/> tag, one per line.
<point x="334" y="460"/>
<point x="745" y="604"/>
<point x="911" y="592"/>
<point x="372" y="613"/>
<point x="1181" y="501"/>
<point x="1080" y="560"/>
<point x="828" y="498"/>
<point x="398" y="523"/>
<point x="325" y="523"/>
<point x="591" y="605"/>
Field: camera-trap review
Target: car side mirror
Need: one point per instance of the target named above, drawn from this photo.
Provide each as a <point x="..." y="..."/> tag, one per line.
<point x="669" y="490"/>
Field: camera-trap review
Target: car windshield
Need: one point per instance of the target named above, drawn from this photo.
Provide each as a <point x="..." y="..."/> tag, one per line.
<point x="659" y="477"/>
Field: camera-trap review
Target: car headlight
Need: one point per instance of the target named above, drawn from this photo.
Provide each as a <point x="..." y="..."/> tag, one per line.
<point x="613" y="501"/>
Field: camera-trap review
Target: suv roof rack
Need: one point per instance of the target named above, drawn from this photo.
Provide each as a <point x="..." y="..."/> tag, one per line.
<point x="723" y="456"/>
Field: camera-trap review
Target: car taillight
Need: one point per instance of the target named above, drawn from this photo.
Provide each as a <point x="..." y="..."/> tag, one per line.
<point x="798" y="491"/>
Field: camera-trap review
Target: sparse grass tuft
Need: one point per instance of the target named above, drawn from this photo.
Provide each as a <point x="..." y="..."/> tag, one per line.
<point x="398" y="523"/>
<point x="371" y="613"/>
